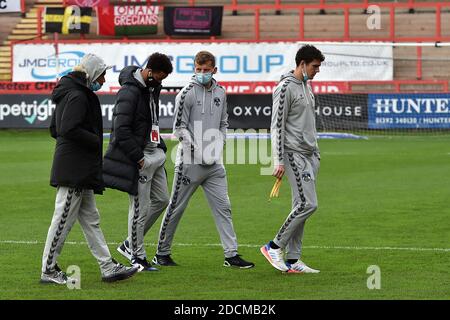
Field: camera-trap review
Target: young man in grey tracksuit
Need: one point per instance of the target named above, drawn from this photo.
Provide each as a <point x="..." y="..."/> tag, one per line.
<point x="296" y="153"/>
<point x="201" y="122"/>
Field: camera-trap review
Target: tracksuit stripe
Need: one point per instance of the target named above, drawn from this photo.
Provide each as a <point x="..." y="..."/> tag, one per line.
<point x="172" y="204"/>
<point x="298" y="209"/>
<point x="60" y="229"/>
<point x="134" y="239"/>
<point x="280" y="115"/>
<point x="180" y="109"/>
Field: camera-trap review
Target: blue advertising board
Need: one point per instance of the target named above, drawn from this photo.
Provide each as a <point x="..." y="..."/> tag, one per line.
<point x="409" y="111"/>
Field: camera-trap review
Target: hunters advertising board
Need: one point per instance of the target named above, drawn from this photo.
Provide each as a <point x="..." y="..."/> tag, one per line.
<point x="409" y="111"/>
<point x="235" y="61"/>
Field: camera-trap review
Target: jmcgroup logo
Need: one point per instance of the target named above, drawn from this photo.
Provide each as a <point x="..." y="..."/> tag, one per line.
<point x="29" y="111"/>
<point x="53" y="66"/>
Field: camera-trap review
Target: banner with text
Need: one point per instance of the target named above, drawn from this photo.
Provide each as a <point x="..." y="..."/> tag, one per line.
<point x="127" y="20"/>
<point x="230" y="87"/>
<point x="244" y="111"/>
<point x="235" y="61"/>
<point x="409" y="111"/>
<point x="10" y="6"/>
<point x="206" y="21"/>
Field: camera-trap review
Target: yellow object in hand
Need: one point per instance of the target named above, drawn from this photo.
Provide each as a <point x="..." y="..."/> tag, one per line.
<point x="275" y="189"/>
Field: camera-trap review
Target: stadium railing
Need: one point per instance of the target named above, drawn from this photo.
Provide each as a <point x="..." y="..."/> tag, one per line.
<point x="302" y="9"/>
<point x="345" y="8"/>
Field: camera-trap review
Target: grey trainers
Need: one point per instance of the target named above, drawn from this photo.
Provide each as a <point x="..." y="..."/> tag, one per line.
<point x="57" y="277"/>
<point x="119" y="272"/>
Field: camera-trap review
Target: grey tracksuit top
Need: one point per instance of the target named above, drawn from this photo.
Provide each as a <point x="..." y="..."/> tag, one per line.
<point x="201" y="121"/>
<point x="293" y="126"/>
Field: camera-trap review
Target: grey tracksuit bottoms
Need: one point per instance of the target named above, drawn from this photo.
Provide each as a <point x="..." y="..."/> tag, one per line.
<point x="212" y="178"/>
<point x="152" y="199"/>
<point x="301" y="171"/>
<point x="72" y="204"/>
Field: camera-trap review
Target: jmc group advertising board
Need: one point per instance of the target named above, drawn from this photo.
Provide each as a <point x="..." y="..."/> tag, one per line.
<point x="235" y="61"/>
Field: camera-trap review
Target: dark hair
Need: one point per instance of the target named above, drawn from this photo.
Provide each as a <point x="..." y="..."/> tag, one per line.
<point x="204" y="56"/>
<point x="308" y="53"/>
<point x="159" y="62"/>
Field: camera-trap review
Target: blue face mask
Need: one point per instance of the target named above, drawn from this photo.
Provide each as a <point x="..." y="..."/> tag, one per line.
<point x="203" y="78"/>
<point x="95" y="86"/>
<point x="305" y="76"/>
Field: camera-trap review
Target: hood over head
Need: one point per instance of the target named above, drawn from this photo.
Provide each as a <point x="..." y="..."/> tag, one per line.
<point x="93" y="66"/>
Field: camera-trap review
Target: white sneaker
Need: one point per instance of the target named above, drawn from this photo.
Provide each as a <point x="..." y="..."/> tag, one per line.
<point x="275" y="257"/>
<point x="57" y="277"/>
<point x="301" y="267"/>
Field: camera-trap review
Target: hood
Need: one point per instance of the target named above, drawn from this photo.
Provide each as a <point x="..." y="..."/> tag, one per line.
<point x="291" y="77"/>
<point x="93" y="66"/>
<point x="126" y="77"/>
<point x="74" y="80"/>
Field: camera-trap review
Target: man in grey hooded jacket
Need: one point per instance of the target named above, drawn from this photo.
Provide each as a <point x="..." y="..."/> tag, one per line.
<point x="200" y="125"/>
<point x="77" y="170"/>
<point x="296" y="153"/>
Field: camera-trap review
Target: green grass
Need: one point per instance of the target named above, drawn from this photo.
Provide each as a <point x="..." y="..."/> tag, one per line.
<point x="378" y="193"/>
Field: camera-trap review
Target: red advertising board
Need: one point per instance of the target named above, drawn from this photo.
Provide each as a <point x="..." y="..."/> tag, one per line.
<point x="235" y="87"/>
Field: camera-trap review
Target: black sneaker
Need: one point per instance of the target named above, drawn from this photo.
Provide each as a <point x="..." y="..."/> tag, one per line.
<point x="124" y="249"/>
<point x="142" y="265"/>
<point x="164" y="260"/>
<point x="238" y="262"/>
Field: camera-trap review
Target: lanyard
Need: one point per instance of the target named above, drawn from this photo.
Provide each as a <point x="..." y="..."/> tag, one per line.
<point x="155" y="116"/>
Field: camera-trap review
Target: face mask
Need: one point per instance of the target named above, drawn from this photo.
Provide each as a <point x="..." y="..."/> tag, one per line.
<point x="203" y="78"/>
<point x="95" y="86"/>
<point x="152" y="82"/>
<point x="305" y="76"/>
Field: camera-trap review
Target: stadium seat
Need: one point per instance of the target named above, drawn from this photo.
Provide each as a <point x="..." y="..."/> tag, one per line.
<point x="273" y="27"/>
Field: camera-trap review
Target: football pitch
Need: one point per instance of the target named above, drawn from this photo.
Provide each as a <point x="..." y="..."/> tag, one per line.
<point x="383" y="202"/>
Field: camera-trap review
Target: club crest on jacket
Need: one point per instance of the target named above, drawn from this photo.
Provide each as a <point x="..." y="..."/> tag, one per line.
<point x="306" y="176"/>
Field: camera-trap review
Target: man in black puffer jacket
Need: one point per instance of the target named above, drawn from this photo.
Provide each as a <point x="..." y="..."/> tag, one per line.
<point x="77" y="170"/>
<point x="134" y="161"/>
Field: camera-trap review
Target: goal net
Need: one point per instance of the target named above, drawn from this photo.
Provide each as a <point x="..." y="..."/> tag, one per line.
<point x="403" y="106"/>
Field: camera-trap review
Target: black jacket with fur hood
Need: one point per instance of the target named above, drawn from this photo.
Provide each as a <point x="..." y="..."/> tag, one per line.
<point x="131" y="128"/>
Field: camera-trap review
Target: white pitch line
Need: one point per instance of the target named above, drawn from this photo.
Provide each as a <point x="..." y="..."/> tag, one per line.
<point x="30" y="242"/>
